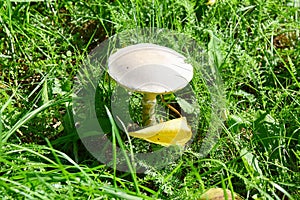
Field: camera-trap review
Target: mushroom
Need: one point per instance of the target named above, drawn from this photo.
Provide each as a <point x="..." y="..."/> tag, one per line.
<point x="151" y="70"/>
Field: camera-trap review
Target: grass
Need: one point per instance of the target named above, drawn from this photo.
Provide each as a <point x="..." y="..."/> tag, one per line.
<point x="255" y="47"/>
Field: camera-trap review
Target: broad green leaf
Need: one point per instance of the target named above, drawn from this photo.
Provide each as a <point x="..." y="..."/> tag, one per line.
<point x="185" y="106"/>
<point x="214" y="52"/>
<point x="250" y="162"/>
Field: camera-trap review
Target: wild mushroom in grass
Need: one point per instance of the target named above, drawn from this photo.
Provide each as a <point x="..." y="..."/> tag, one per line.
<point x="151" y="70"/>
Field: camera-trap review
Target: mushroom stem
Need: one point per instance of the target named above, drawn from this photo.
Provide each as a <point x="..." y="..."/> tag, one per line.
<point x="149" y="102"/>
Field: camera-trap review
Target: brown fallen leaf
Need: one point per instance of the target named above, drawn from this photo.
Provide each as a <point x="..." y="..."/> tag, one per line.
<point x="218" y="194"/>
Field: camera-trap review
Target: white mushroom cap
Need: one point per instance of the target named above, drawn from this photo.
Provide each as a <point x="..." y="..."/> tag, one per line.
<point x="150" y="68"/>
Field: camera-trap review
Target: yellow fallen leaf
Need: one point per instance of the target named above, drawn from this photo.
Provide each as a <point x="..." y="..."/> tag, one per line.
<point x="173" y="132"/>
<point x="211" y="2"/>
